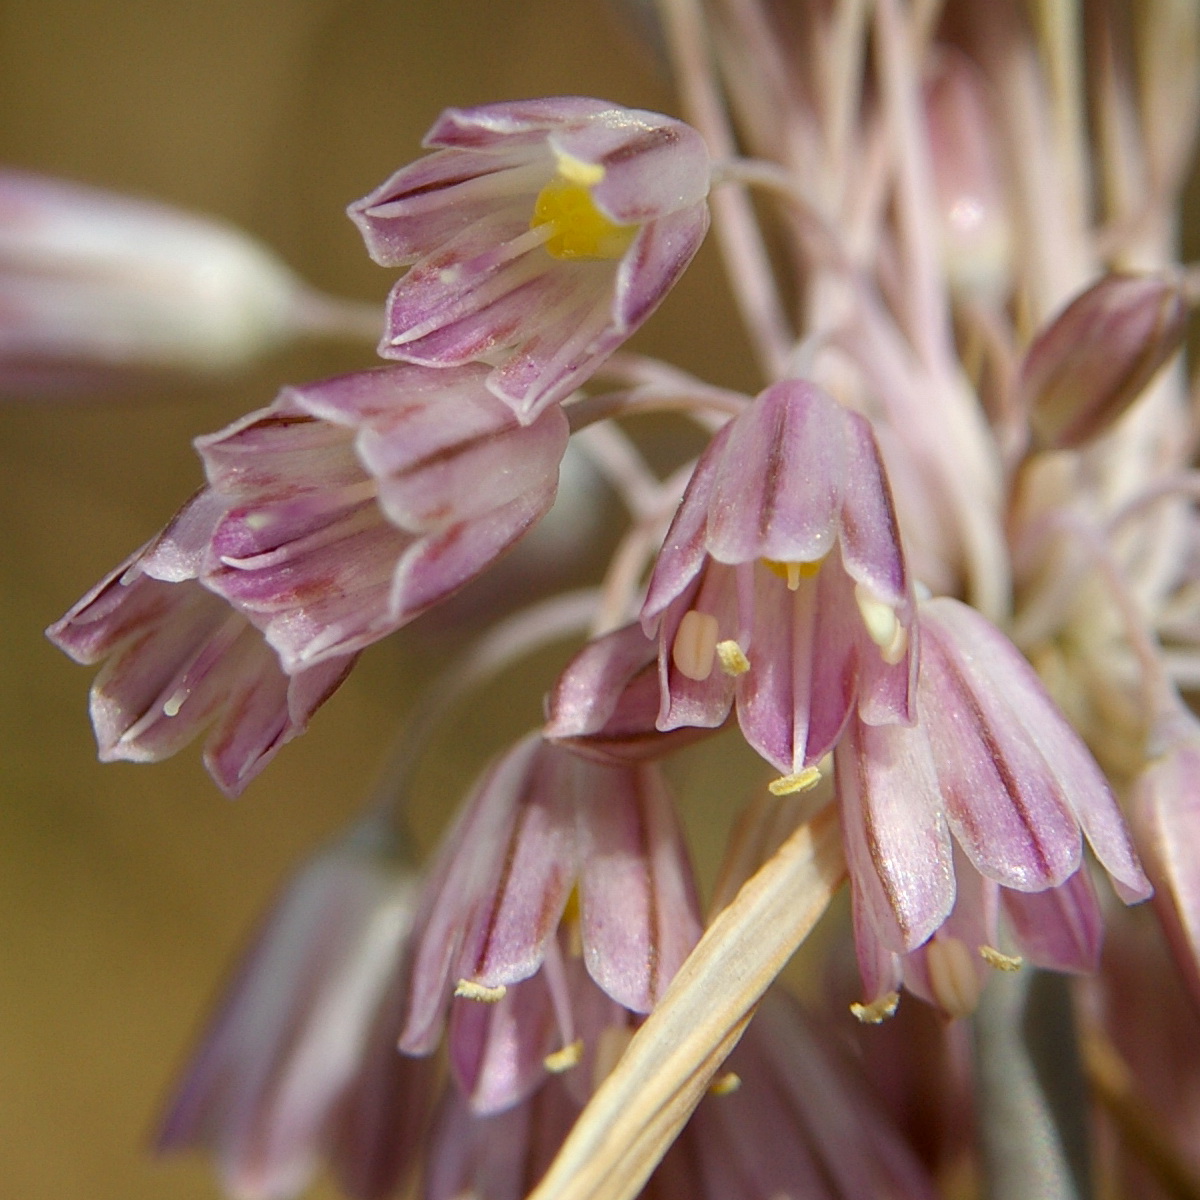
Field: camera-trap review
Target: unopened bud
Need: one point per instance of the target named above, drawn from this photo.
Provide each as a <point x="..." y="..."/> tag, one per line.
<point x="97" y="288"/>
<point x="1094" y="359"/>
<point x="973" y="223"/>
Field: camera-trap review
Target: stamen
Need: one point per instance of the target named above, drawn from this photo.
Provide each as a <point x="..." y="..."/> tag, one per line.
<point x="801" y="781"/>
<point x="578" y="229"/>
<point x="952" y="976"/>
<point x="725" y="1084"/>
<point x="695" y="646"/>
<point x="793" y="572"/>
<point x="882" y="624"/>
<point x="1000" y="960"/>
<point x="563" y="1060"/>
<point x="877" y="1011"/>
<point x="468" y="989"/>
<point x="732" y="658"/>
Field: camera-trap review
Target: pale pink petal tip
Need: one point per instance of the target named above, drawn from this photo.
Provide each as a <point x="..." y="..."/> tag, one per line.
<point x="178" y="661"/>
<point x="540" y="235"/>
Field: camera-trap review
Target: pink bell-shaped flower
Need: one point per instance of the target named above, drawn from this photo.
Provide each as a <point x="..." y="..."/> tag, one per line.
<point x="300" y="1060"/>
<point x="993" y="768"/>
<point x="541" y="234"/>
<point x="782" y="583"/>
<point x="356" y="503"/>
<point x="554" y="859"/>
<point x="178" y="660"/>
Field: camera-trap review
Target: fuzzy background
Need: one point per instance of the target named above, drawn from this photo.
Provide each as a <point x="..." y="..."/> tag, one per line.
<point x="126" y="890"/>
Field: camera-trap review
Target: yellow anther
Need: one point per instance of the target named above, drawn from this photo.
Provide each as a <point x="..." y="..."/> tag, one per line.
<point x="1000" y="960"/>
<point x="468" y="989"/>
<point x="732" y="658"/>
<point x="578" y="229"/>
<point x="793" y="572"/>
<point x="725" y="1084"/>
<point x="566" y="1058"/>
<point x="695" y="647"/>
<point x="952" y="976"/>
<point x="801" y="781"/>
<point x="877" y="1011"/>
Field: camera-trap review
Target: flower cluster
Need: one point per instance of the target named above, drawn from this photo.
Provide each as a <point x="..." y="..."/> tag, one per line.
<point x="940" y="573"/>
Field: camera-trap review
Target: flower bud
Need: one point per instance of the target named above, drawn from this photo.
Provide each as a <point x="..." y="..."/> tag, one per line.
<point x="95" y="287"/>
<point x="973" y="223"/>
<point x="1095" y="357"/>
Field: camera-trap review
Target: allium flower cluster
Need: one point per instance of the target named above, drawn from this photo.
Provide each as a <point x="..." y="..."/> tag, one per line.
<point x="974" y="387"/>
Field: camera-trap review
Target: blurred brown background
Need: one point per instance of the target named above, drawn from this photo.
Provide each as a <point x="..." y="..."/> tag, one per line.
<point x="124" y="890"/>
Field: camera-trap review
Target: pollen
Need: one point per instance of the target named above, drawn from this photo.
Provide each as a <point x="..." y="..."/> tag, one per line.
<point x="1000" y="960"/>
<point x="732" y="658"/>
<point x="793" y="572"/>
<point x="566" y="1058"/>
<point x="695" y="647"/>
<point x="577" y="228"/>
<point x="877" y="1011"/>
<point x="468" y="989"/>
<point x="801" y="781"/>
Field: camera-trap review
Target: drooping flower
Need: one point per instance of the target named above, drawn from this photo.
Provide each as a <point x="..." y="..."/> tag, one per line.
<point x="553" y="857"/>
<point x="993" y="768"/>
<point x="178" y="660"/>
<point x="356" y="503"/>
<point x="95" y="285"/>
<point x="300" y="1059"/>
<point x="791" y="1117"/>
<point x="541" y="234"/>
<point x="782" y="583"/>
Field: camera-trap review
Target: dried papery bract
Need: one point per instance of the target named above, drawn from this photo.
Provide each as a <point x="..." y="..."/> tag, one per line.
<point x="643" y="1104"/>
<point x="540" y="235"/>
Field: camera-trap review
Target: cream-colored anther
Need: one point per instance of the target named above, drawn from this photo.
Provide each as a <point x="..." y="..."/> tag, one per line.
<point x="732" y="658"/>
<point x="695" y="647"/>
<point x="952" y="976"/>
<point x="801" y="781"/>
<point x="468" y="989"/>
<point x="562" y="1060"/>
<point x="877" y="1011"/>
<point x="1000" y="960"/>
<point x="882" y="624"/>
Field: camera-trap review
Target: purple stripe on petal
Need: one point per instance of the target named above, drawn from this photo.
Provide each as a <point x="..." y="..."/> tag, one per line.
<point x="898" y="846"/>
<point x="638" y="908"/>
